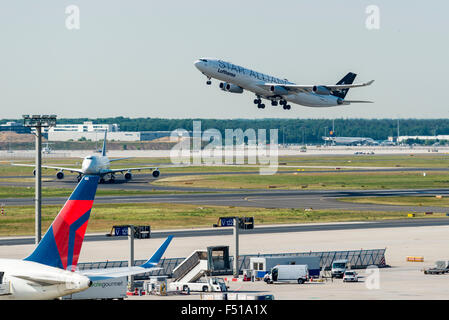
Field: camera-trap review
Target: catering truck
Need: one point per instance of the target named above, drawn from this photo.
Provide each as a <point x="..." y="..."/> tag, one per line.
<point x="288" y="273"/>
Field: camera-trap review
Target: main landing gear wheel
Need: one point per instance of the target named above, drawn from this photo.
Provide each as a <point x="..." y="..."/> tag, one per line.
<point x="274" y="103"/>
<point x="261" y="106"/>
<point x="287" y="107"/>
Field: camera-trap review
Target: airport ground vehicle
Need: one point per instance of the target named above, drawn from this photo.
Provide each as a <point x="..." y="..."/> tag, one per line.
<point x="209" y="285"/>
<point x="262" y="265"/>
<point x="441" y="266"/>
<point x="350" y="276"/>
<point x="102" y="289"/>
<point x="338" y="268"/>
<point x="286" y="273"/>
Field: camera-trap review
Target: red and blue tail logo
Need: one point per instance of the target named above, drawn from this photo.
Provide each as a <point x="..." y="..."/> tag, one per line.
<point x="61" y="245"/>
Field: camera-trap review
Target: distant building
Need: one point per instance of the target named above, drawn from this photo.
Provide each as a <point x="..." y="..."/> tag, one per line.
<point x="405" y="138"/>
<point x="87" y="126"/>
<point x="116" y="136"/>
<point x="16" y="127"/>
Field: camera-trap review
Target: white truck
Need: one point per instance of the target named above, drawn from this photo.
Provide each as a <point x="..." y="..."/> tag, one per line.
<point x="106" y="289"/>
<point x="339" y="267"/>
<point x="209" y="285"/>
<point x="287" y="273"/>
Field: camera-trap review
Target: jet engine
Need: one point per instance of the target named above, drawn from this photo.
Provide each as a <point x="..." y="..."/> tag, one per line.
<point x="279" y="90"/>
<point x="321" y="90"/>
<point x="60" y="175"/>
<point x="156" y="173"/>
<point x="128" y="176"/>
<point x="230" y="87"/>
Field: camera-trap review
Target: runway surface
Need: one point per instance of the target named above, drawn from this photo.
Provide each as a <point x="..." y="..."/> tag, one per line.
<point x="320" y="199"/>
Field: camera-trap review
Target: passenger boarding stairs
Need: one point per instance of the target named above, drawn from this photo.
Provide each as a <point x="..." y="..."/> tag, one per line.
<point x="5" y="289"/>
<point x="192" y="268"/>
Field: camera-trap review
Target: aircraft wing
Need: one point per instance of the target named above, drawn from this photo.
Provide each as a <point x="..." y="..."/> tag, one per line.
<point x="309" y="88"/>
<point x="42" y="280"/>
<point x="118" y="159"/>
<point x="149" y="265"/>
<point x="129" y="169"/>
<point x="49" y="167"/>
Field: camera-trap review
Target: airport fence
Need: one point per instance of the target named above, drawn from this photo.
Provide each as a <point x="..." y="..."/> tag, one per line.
<point x="358" y="259"/>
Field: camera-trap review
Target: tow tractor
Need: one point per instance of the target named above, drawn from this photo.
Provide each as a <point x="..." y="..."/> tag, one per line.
<point x="441" y="266"/>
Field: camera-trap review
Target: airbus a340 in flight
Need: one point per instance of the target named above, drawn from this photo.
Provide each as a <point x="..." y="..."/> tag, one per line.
<point x="236" y="79"/>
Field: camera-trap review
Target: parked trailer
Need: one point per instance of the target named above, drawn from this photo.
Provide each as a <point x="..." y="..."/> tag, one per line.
<point x="209" y="285"/>
<point x="287" y="273"/>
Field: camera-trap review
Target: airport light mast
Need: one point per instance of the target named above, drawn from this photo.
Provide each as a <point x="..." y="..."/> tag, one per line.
<point x="38" y="122"/>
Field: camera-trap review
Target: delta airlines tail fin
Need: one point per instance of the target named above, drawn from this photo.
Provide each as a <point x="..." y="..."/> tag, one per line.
<point x="103" y="150"/>
<point x="347" y="79"/>
<point x="61" y="245"/>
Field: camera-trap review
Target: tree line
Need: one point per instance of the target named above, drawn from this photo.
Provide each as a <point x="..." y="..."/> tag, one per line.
<point x="290" y="130"/>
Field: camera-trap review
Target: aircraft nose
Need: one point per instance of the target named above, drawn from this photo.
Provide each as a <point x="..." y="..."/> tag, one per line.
<point x="199" y="65"/>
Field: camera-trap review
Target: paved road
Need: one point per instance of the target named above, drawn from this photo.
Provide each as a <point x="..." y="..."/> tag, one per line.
<point x="263" y="230"/>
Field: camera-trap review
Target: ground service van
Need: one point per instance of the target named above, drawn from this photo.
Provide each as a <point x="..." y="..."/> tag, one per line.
<point x="287" y="273"/>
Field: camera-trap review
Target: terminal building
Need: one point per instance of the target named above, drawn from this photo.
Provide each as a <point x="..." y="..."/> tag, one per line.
<point x="95" y="132"/>
<point x="16" y="127"/>
<point x="400" y="139"/>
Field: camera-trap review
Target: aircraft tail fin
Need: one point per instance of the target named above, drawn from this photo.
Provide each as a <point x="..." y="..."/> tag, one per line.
<point x="154" y="260"/>
<point x="347" y="79"/>
<point x="61" y="245"/>
<point x="103" y="150"/>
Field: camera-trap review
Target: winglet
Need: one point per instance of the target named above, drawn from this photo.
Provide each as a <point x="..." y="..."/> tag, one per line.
<point x="154" y="260"/>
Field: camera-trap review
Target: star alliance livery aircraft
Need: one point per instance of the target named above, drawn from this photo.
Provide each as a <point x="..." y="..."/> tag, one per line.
<point x="236" y="79"/>
<point x="49" y="272"/>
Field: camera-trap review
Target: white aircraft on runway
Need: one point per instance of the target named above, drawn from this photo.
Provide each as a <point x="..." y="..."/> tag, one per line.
<point x="236" y="79"/>
<point x="97" y="165"/>
<point x="49" y="272"/>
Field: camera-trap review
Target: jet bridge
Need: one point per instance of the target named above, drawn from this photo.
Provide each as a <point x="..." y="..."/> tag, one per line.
<point x="213" y="261"/>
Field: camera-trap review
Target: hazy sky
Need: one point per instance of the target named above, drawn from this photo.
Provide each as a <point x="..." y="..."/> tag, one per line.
<point x="135" y="58"/>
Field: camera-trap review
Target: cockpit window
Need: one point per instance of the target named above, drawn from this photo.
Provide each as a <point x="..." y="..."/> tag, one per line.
<point x="204" y="60"/>
<point x="90" y="157"/>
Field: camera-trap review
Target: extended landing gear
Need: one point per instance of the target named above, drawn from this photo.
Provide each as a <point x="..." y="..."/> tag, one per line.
<point x="284" y="105"/>
<point x="208" y="82"/>
<point x="259" y="103"/>
<point x="274" y="103"/>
